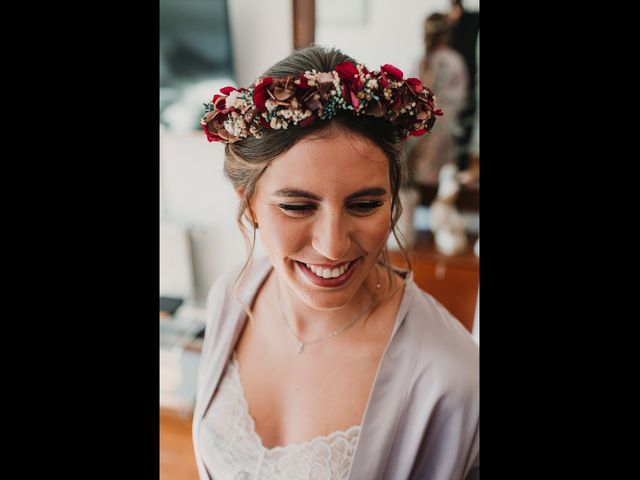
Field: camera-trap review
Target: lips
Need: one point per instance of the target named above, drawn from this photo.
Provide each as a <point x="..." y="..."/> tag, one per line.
<point x="312" y="272"/>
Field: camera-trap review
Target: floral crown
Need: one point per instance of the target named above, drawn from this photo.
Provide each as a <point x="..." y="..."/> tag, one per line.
<point x="274" y="103"/>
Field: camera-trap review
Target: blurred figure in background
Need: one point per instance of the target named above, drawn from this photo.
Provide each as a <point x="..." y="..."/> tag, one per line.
<point x="471" y="174"/>
<point x="465" y="31"/>
<point x="443" y="70"/>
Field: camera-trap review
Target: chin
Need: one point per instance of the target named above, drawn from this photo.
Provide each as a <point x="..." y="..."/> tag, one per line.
<point x="325" y="300"/>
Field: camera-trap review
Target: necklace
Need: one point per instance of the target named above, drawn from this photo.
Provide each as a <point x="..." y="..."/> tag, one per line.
<point x="302" y="343"/>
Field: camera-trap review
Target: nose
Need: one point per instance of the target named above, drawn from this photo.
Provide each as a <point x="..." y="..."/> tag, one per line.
<point x="331" y="235"/>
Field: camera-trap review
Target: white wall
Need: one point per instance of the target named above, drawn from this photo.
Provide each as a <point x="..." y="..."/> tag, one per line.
<point x="391" y="31"/>
<point x="196" y="195"/>
<point x="262" y="34"/>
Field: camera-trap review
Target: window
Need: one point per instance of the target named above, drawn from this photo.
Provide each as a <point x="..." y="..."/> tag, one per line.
<point x="195" y="53"/>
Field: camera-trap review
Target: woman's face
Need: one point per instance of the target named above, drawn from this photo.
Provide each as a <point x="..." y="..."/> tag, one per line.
<point x="324" y="213"/>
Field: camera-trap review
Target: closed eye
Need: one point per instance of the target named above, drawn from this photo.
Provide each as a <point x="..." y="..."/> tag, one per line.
<point x="364" y="207"/>
<point x="296" y="209"/>
<point x="359" y="208"/>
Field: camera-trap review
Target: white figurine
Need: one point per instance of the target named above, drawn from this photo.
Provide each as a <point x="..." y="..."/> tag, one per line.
<point x="448" y="226"/>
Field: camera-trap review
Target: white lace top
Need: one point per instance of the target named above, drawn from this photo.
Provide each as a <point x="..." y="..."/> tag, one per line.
<point x="232" y="450"/>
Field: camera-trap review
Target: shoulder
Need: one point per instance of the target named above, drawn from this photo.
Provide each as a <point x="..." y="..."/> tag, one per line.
<point x="446" y="351"/>
<point x="221" y="291"/>
<point x="228" y="289"/>
<point x="224" y="307"/>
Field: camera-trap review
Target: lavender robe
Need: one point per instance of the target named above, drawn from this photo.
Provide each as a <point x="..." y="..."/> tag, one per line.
<point x="422" y="417"/>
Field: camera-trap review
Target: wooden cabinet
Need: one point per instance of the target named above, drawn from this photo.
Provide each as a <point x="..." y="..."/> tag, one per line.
<point x="453" y="281"/>
<point x="177" y="458"/>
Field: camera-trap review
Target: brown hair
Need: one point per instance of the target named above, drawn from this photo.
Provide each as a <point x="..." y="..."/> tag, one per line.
<point x="437" y="31"/>
<point x="248" y="159"/>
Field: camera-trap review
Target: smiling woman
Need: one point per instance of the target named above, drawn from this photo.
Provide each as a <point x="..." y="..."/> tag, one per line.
<point x="325" y="203"/>
<point x="321" y="360"/>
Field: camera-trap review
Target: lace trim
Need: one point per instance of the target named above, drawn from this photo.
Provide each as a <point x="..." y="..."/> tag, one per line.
<point x="232" y="449"/>
<point x="350" y="434"/>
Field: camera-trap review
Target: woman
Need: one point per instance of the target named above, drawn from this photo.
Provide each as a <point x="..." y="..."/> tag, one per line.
<point x="321" y="361"/>
<point x="444" y="71"/>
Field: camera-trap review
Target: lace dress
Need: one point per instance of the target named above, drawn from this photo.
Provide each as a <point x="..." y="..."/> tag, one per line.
<point x="232" y="450"/>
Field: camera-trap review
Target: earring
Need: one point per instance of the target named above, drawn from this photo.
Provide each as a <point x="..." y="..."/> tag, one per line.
<point x="255" y="224"/>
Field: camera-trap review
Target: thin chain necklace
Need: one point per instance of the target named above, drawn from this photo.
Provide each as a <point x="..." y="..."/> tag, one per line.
<point x="302" y="343"/>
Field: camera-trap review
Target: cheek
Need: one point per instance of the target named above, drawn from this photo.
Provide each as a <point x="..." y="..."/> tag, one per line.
<point x="374" y="233"/>
<point x="280" y="234"/>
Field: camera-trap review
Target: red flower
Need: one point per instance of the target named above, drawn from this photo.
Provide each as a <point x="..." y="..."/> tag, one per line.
<point x="307" y="121"/>
<point x="392" y="71"/>
<point x="346" y="71"/>
<point x="264" y="123"/>
<point x="227" y="90"/>
<point x="260" y="94"/>
<point x="303" y="83"/>
<point x="354" y="100"/>
<point x="352" y="84"/>
<point x="219" y="103"/>
<point x="349" y="95"/>
<point x="415" y="85"/>
<point x="383" y="79"/>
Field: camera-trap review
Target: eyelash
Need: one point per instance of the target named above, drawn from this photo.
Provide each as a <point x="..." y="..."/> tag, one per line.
<point x="361" y="208"/>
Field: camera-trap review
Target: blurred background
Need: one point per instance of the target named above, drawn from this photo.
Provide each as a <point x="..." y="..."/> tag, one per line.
<point x="208" y="44"/>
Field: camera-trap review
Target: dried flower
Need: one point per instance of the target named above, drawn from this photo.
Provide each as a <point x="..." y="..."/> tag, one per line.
<point x="278" y="103"/>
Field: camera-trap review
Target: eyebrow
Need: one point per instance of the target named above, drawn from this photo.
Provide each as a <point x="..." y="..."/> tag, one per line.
<point x="365" y="192"/>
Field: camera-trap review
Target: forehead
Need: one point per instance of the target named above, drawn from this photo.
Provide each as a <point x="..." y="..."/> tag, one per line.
<point x="339" y="161"/>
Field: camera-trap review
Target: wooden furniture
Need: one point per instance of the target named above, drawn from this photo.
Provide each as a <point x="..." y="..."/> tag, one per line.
<point x="177" y="458"/>
<point x="304" y="23"/>
<point x="453" y="281"/>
